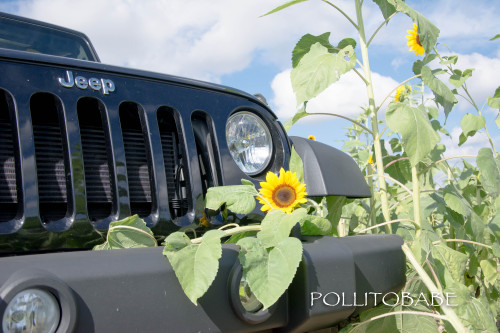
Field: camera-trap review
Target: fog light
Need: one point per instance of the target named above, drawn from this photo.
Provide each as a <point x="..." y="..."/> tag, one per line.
<point x="248" y="300"/>
<point x="32" y="310"/>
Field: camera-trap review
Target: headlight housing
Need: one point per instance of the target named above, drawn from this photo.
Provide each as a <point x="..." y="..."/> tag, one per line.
<point x="249" y="142"/>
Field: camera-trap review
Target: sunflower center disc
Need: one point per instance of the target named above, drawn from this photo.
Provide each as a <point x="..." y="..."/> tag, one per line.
<point x="284" y="195"/>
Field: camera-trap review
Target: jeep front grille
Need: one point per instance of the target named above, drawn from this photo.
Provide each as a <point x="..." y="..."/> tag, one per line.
<point x="49" y="155"/>
<point x="97" y="160"/>
<point x="74" y="160"/>
<point x="8" y="184"/>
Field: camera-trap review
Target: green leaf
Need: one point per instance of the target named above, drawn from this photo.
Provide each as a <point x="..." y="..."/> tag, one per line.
<point x="238" y="198"/>
<point x="334" y="205"/>
<point x="286" y="5"/>
<point x="130" y="232"/>
<point x="418" y="64"/>
<point x="473" y="224"/>
<point x="450" y="264"/>
<point x="458" y="77"/>
<point x="442" y="93"/>
<point x="497" y="93"/>
<point x="296" y="165"/>
<point x="493" y="102"/>
<point x="427" y="31"/>
<point x="495" y="248"/>
<point x="276" y="226"/>
<point x="196" y="265"/>
<point x="471" y="124"/>
<point x="312" y="225"/>
<point x="269" y="272"/>
<point x="419" y="138"/>
<point x="175" y="242"/>
<point x="246" y="182"/>
<point x="496" y="37"/>
<point x="318" y="69"/>
<point x="236" y="237"/>
<point x="490" y="271"/>
<point x="301" y="113"/>
<point x="407" y="323"/>
<point x="304" y="45"/>
<point x="346" y="42"/>
<point x="475" y="313"/>
<point x="386" y="8"/>
<point x="490" y="171"/>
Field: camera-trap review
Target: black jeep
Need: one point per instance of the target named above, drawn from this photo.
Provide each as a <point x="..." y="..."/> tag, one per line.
<point x="83" y="144"/>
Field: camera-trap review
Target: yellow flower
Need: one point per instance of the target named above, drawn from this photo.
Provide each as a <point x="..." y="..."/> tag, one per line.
<point x="311" y="137"/>
<point x="204" y="221"/>
<point x="399" y="94"/>
<point x="284" y="192"/>
<point x="370" y="160"/>
<point x="414" y="41"/>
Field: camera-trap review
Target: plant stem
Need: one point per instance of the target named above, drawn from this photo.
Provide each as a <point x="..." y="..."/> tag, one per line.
<point x="340" y="116"/>
<point x="373" y="115"/>
<point x="385" y="223"/>
<point x="416" y="200"/>
<point x="380" y="27"/>
<point x="394" y="180"/>
<point x="232" y="231"/>
<point x="463" y="241"/>
<point x="451" y="316"/>
<point x="442" y="160"/>
<point x="395" y="88"/>
<point x="342" y="12"/>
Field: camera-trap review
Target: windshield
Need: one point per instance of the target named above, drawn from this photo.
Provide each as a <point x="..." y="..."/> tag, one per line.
<point x="26" y="36"/>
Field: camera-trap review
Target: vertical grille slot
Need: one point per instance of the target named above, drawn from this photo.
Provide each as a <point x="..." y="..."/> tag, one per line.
<point x="96" y="162"/>
<point x="49" y="155"/>
<point x="8" y="182"/>
<point x="138" y="157"/>
<point x="206" y="148"/>
<point x="173" y="157"/>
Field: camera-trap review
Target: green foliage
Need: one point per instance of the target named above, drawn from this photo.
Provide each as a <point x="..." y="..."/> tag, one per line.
<point x="419" y="138"/>
<point x="269" y="271"/>
<point x="286" y="5"/>
<point x="318" y="69"/>
<point x="195" y="265"/>
<point x="447" y="214"/>
<point x="490" y="171"/>
<point x="471" y="124"/>
<point x="238" y="198"/>
<point x="303" y="46"/>
<point x="442" y="93"/>
<point x="296" y="165"/>
<point x="130" y="232"/>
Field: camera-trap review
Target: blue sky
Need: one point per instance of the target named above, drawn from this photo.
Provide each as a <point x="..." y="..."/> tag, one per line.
<point x="225" y="41"/>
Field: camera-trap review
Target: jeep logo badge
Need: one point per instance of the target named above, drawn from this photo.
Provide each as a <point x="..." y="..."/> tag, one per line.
<point x="107" y="86"/>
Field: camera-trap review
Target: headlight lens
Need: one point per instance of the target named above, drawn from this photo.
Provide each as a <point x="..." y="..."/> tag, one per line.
<point x="32" y="310"/>
<point x="249" y="142"/>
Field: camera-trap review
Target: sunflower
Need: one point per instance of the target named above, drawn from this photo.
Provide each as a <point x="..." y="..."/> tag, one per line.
<point x="311" y="137"/>
<point x="414" y="41"/>
<point x="284" y="192"/>
<point x="399" y="94"/>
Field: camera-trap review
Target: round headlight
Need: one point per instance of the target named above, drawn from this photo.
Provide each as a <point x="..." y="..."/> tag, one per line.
<point x="249" y="142"/>
<point x="32" y="310"/>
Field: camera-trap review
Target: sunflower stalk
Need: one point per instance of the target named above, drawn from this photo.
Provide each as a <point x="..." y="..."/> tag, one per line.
<point x="373" y="115"/>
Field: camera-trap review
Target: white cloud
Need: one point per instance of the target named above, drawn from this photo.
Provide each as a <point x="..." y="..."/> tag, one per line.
<point x="201" y="39"/>
<point x="471" y="147"/>
<point x="345" y="97"/>
<point x="484" y="79"/>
